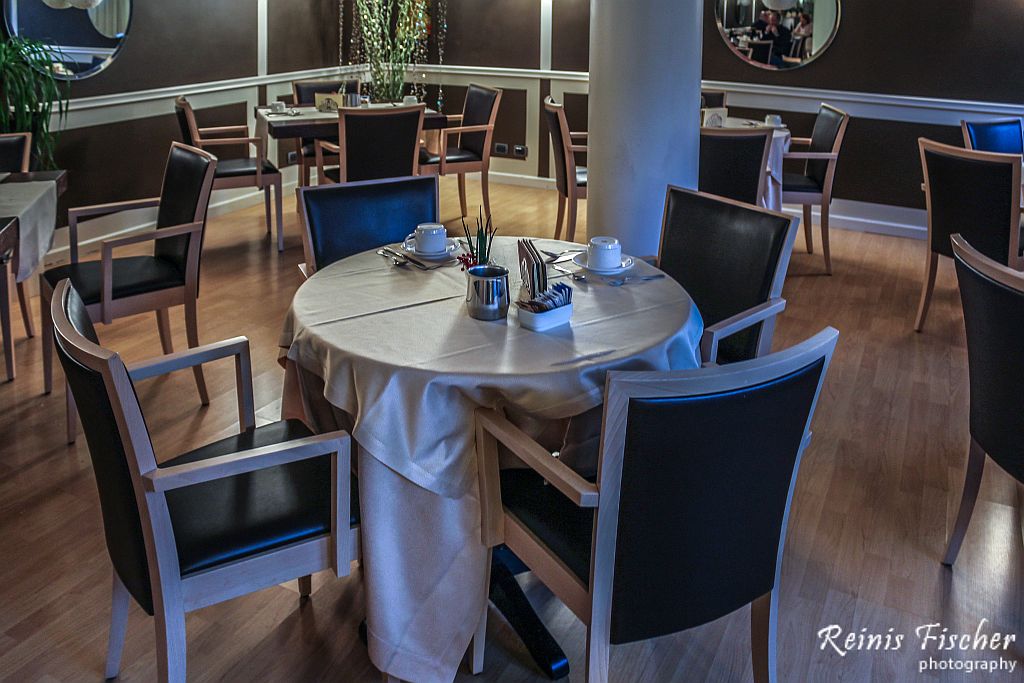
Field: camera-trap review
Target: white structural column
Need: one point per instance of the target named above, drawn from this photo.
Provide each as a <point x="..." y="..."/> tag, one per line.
<point x="645" y="71"/>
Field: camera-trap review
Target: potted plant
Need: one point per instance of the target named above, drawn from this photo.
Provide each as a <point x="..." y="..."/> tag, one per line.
<point x="391" y="30"/>
<point x="29" y="91"/>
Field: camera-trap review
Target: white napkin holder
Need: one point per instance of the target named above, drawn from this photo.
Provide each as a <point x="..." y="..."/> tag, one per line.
<point x="539" y="322"/>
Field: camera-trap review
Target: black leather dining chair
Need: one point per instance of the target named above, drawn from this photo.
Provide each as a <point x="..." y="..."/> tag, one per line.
<point x="128" y="285"/>
<point x="732" y="260"/>
<point x="687" y="519"/>
<point x="734" y="163"/>
<point x="304" y="95"/>
<point x="472" y="151"/>
<point x="15" y="152"/>
<point x="373" y="144"/>
<point x="814" y="185"/>
<point x="255" y="171"/>
<point x="349" y="218"/>
<point x="976" y="194"/>
<point x="1005" y="136"/>
<point x="713" y="99"/>
<point x="570" y="179"/>
<point x="993" y="302"/>
<point x="238" y="515"/>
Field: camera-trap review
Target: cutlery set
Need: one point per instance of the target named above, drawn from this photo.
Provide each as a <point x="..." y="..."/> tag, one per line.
<point x="400" y="259"/>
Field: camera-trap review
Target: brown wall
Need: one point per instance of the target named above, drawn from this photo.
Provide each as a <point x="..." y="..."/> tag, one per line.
<point x="302" y="34"/>
<point x="502" y="33"/>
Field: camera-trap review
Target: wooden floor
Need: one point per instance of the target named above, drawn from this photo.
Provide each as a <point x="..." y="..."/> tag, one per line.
<point x="875" y="497"/>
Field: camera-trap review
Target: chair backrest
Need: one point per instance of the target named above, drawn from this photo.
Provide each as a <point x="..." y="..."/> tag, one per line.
<point x="480" y="109"/>
<point x="728" y="256"/>
<point x="15" y="152"/>
<point x="115" y="430"/>
<point x="761" y="51"/>
<point x="186" y="121"/>
<point x="827" y="136"/>
<point x="184" y="198"/>
<point x="992" y="295"/>
<point x="561" y="143"/>
<point x="734" y="162"/>
<point x="696" y="480"/>
<point x="713" y="99"/>
<point x="973" y="193"/>
<point x="379" y="143"/>
<point x="1005" y="136"/>
<point x="348" y="218"/>
<point x="304" y="92"/>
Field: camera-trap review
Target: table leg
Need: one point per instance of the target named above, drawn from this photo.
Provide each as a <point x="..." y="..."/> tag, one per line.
<point x="508" y="597"/>
<point x="5" y="318"/>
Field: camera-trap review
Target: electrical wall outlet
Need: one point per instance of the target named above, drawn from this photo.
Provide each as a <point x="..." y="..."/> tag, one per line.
<point x="501" y="149"/>
<point x="520" y="151"/>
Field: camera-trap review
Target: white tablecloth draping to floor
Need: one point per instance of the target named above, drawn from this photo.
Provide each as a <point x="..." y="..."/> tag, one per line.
<point x="35" y="205"/>
<point x="391" y="354"/>
<point x="781" y="141"/>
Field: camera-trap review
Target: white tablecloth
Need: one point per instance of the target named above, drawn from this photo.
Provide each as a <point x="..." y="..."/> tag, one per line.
<point x="781" y="141"/>
<point x="391" y="354"/>
<point x="35" y="205"/>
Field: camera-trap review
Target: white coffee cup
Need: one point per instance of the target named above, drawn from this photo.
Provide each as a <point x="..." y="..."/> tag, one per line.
<point x="604" y="253"/>
<point x="277" y="107"/>
<point x="410" y="99"/>
<point x="431" y="238"/>
<point x="773" y="120"/>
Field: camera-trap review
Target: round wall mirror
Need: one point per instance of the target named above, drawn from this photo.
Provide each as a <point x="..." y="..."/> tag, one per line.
<point x="778" y="34"/>
<point x="84" y="36"/>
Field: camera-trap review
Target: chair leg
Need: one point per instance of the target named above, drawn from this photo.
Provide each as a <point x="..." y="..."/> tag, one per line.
<point x="279" y="211"/>
<point x="47" y="334"/>
<point x="163" y="325"/>
<point x="266" y="206"/>
<point x="479" y="643"/>
<point x="926" y="289"/>
<point x="824" y="238"/>
<point x="305" y="173"/>
<point x="485" y="192"/>
<point x="598" y="655"/>
<point x="5" y="319"/>
<point x="71" y="413"/>
<point x="26" y="314"/>
<point x="170" y="645"/>
<point x="118" y="626"/>
<point x="808" y="227"/>
<point x="305" y="586"/>
<point x="462" y="194"/>
<point x="561" y="214"/>
<point x="763" y="634"/>
<point x="570" y="228"/>
<point x="972" y="483"/>
<point x="192" y="335"/>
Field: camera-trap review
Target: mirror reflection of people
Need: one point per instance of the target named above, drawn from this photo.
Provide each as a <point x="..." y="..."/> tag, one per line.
<point x="805" y="28"/>
<point x="743" y="8"/>
<point x="779" y="35"/>
<point x="762" y="21"/>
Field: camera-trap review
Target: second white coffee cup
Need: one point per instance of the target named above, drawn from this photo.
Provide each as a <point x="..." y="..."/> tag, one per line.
<point x="604" y="253"/>
<point x="431" y="238"/>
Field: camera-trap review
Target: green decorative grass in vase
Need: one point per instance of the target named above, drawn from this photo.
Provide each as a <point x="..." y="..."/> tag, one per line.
<point x="478" y="243"/>
<point x="391" y="29"/>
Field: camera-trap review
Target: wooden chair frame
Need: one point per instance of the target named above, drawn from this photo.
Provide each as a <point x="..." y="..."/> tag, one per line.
<point x="239" y="135"/>
<point x="932" y="262"/>
<point x="967" y="135"/>
<point x="108" y="308"/>
<point x="592" y="603"/>
<point x="976" y="456"/>
<point x="462" y="168"/>
<point x="173" y="595"/>
<point x="341" y="150"/>
<point x="569" y="151"/>
<point x="762" y="182"/>
<point x="823" y="198"/>
<point x="306" y="165"/>
<point x="23" y="298"/>
<point x="765" y="313"/>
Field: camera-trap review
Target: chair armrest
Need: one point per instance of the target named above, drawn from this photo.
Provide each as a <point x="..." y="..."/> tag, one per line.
<point x="237" y="347"/>
<point x="458" y="130"/>
<point x="823" y="156"/>
<point x="555" y="472"/>
<point x="79" y="212"/>
<point x="578" y="148"/>
<point x="800" y="141"/>
<point x="178" y="476"/>
<point x="319" y="146"/>
<point x="454" y="117"/>
<point x="256" y="142"/>
<point x="578" y="136"/>
<point x="224" y="130"/>
<point x="107" y="257"/>
<point x="714" y="334"/>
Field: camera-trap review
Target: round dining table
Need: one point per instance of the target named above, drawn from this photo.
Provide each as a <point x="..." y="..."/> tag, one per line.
<point x="390" y="354"/>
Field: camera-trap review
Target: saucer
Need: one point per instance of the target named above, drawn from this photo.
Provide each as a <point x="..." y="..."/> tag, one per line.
<point x="580" y="260"/>
<point x="410" y="246"/>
